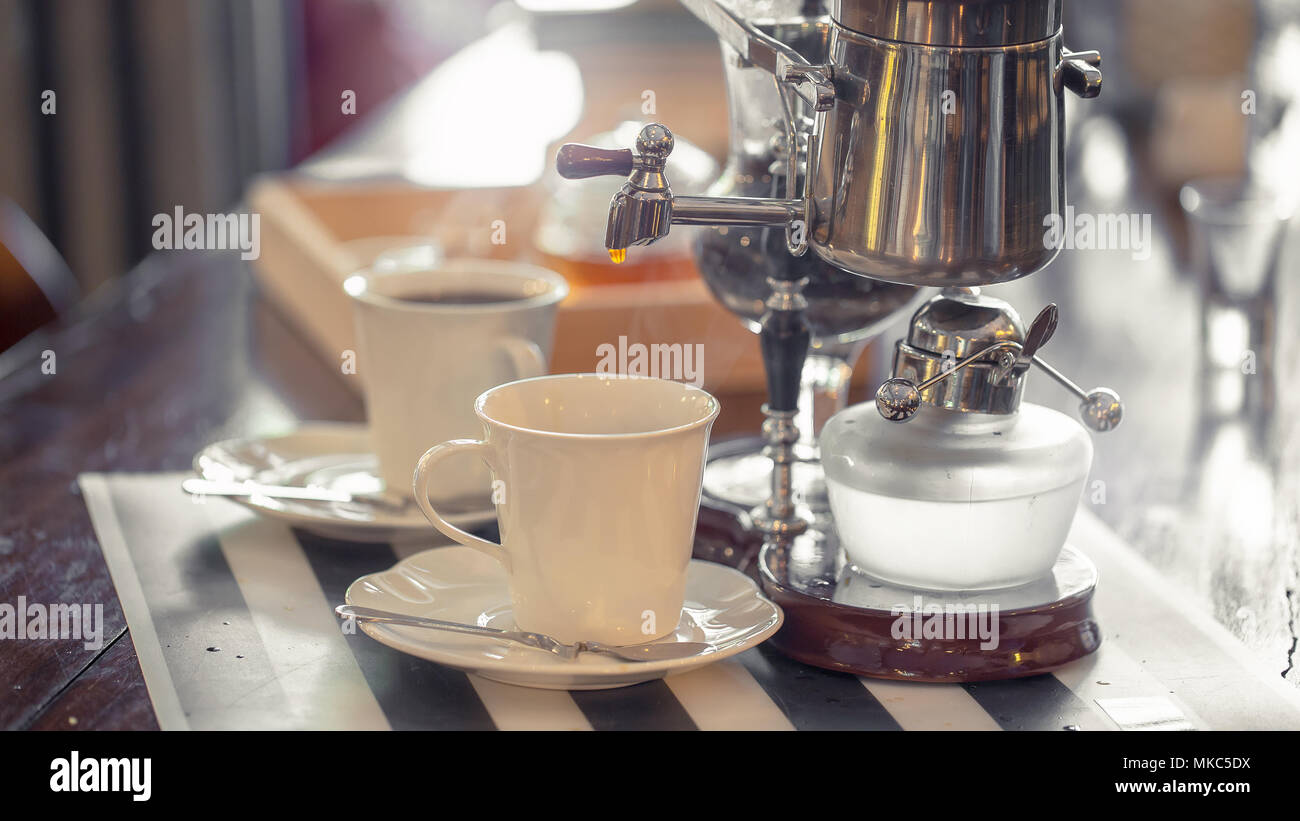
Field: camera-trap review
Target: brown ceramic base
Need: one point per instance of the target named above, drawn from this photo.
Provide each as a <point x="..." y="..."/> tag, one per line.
<point x="847" y="621"/>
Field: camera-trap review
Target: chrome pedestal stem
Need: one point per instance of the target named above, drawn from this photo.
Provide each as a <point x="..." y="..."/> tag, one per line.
<point x="784" y="338"/>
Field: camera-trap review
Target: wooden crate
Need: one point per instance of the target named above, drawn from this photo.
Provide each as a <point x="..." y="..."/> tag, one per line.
<point x="310" y="232"/>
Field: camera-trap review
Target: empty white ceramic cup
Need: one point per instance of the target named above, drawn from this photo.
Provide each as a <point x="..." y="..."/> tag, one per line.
<point x="422" y="363"/>
<point x="597" y="484"/>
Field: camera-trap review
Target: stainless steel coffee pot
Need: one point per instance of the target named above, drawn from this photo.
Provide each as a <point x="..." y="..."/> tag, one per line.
<point x="935" y="155"/>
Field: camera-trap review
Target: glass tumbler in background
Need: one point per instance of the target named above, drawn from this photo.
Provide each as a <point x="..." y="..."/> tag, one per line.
<point x="1238" y="234"/>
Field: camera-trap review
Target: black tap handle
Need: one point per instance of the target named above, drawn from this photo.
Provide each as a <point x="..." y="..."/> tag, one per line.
<point x="578" y="162"/>
<point x="784" y="339"/>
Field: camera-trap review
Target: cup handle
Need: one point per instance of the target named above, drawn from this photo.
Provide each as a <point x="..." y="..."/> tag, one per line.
<point x="526" y="357"/>
<point x="420" y="486"/>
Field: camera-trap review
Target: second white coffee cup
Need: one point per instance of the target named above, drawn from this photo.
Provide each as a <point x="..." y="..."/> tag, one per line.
<point x="430" y="340"/>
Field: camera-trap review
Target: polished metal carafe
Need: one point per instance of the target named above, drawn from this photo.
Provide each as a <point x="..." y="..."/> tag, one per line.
<point x="943" y="153"/>
<point x="936" y="151"/>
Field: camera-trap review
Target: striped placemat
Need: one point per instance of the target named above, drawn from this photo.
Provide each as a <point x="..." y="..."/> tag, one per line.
<point x="231" y="616"/>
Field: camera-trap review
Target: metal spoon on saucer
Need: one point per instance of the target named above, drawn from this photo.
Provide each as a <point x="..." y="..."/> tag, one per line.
<point x="666" y="651"/>
<point x="211" y="487"/>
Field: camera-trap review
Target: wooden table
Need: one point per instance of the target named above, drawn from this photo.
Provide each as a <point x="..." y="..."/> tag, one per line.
<point x="182" y="353"/>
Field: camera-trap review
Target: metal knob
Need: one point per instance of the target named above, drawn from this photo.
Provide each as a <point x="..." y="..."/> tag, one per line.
<point x="898" y="400"/>
<point x="655" y="140"/>
<point x="1102" y="410"/>
<point x="1080" y="71"/>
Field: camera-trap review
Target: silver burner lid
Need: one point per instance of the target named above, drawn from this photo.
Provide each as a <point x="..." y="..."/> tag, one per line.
<point x="950" y="327"/>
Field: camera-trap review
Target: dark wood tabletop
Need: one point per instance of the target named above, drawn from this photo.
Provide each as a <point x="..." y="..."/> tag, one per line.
<point x="182" y="352"/>
<point x="144" y="375"/>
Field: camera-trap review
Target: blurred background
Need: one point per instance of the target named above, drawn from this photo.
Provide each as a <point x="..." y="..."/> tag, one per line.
<point x="199" y="103"/>
<point x="159" y="103"/>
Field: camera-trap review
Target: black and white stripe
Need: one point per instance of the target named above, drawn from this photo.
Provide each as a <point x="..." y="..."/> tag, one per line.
<point x="214" y="575"/>
<point x="415" y="694"/>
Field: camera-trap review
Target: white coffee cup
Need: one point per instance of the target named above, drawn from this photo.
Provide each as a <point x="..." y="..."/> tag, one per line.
<point x="597" y="486"/>
<point x="422" y="362"/>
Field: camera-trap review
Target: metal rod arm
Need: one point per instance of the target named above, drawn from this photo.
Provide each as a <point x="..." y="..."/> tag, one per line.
<point x="735" y="211"/>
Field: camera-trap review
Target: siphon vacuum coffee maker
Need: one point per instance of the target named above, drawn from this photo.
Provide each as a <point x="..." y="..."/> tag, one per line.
<point x="915" y="144"/>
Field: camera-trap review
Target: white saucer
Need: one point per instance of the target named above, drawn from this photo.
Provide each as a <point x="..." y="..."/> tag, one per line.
<point x="723" y="608"/>
<point x="330" y="455"/>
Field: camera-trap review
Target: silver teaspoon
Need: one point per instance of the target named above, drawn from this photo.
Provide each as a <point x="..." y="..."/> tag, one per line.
<point x="666" y="651"/>
<point x="211" y="487"/>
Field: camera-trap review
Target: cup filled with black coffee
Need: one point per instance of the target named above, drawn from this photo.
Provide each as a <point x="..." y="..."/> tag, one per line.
<point x="430" y="340"/>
